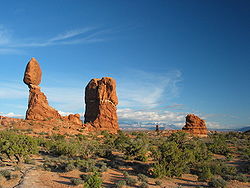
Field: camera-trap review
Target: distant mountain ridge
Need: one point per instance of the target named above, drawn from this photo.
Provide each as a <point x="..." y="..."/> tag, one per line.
<point x="244" y="129"/>
<point x="127" y="125"/>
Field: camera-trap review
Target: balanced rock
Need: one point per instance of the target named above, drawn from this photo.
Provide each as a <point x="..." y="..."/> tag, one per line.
<point x="101" y="101"/>
<point x="195" y="125"/>
<point x="38" y="106"/>
<point x="33" y="73"/>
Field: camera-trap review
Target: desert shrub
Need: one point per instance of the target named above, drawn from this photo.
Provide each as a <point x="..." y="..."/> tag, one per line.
<point x="206" y="170"/>
<point x="13" y="176"/>
<point x="69" y="167"/>
<point x="137" y="149"/>
<point x="200" y="150"/>
<point x="173" y="160"/>
<point x="229" y="156"/>
<point x="18" y="146"/>
<point x="133" y="148"/>
<point x="205" y="174"/>
<point x="17" y="168"/>
<point x="28" y="160"/>
<point x="217" y="182"/>
<point x="239" y="177"/>
<point x="81" y="137"/>
<point x="83" y="177"/>
<point x="102" y="167"/>
<point x="130" y="181"/>
<point x="120" y="184"/>
<point x="179" y="154"/>
<point x="66" y="164"/>
<point x="218" y="144"/>
<point x="144" y="185"/>
<point x="122" y="141"/>
<point x="93" y="181"/>
<point x="219" y="168"/>
<point x="6" y="174"/>
<point x="72" y="148"/>
<point x="142" y="178"/>
<point x="76" y="181"/>
<point x="159" y="183"/>
<point x="125" y="174"/>
<point x="114" y="164"/>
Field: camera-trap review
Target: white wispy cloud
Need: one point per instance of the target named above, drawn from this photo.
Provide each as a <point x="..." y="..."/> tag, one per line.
<point x="11" y="44"/>
<point x="148" y="90"/>
<point x="70" y="34"/>
<point x="11" y="90"/>
<point x="168" y="117"/>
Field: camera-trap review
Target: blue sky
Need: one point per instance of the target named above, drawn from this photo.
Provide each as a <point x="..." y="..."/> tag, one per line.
<point x="169" y="58"/>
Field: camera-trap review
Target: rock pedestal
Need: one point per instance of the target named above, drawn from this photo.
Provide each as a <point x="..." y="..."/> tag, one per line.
<point x="38" y="107"/>
<point x="101" y="101"/>
<point x="195" y="125"/>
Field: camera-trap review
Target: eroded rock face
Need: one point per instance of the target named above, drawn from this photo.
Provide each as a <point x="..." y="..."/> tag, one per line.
<point x="101" y="101"/>
<point x="195" y="125"/>
<point x="75" y="118"/>
<point x="38" y="107"/>
<point x="33" y="73"/>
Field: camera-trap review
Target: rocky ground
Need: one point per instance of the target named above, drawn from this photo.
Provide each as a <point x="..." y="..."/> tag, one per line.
<point x="34" y="176"/>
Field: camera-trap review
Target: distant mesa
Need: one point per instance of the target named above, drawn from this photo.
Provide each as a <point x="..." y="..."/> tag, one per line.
<point x="195" y="125"/>
<point x="101" y="101"/>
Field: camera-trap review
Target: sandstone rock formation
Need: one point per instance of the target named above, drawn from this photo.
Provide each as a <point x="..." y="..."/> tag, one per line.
<point x="33" y="73"/>
<point x="38" y="107"/>
<point x="195" y="125"/>
<point x="101" y="101"/>
<point x="75" y="118"/>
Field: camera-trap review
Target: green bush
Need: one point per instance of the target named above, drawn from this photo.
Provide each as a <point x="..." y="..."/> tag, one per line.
<point x="239" y="177"/>
<point x="18" y="146"/>
<point x="76" y="181"/>
<point x="173" y="160"/>
<point x="142" y="178"/>
<point x="125" y="174"/>
<point x="93" y="181"/>
<point x="6" y="174"/>
<point x="130" y="181"/>
<point x="205" y="174"/>
<point x="144" y="185"/>
<point x="217" y="182"/>
<point x="159" y="183"/>
<point x="102" y="167"/>
<point x="218" y="144"/>
<point x="121" y="184"/>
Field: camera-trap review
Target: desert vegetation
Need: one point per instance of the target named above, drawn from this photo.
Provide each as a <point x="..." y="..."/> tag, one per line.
<point x="143" y="159"/>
